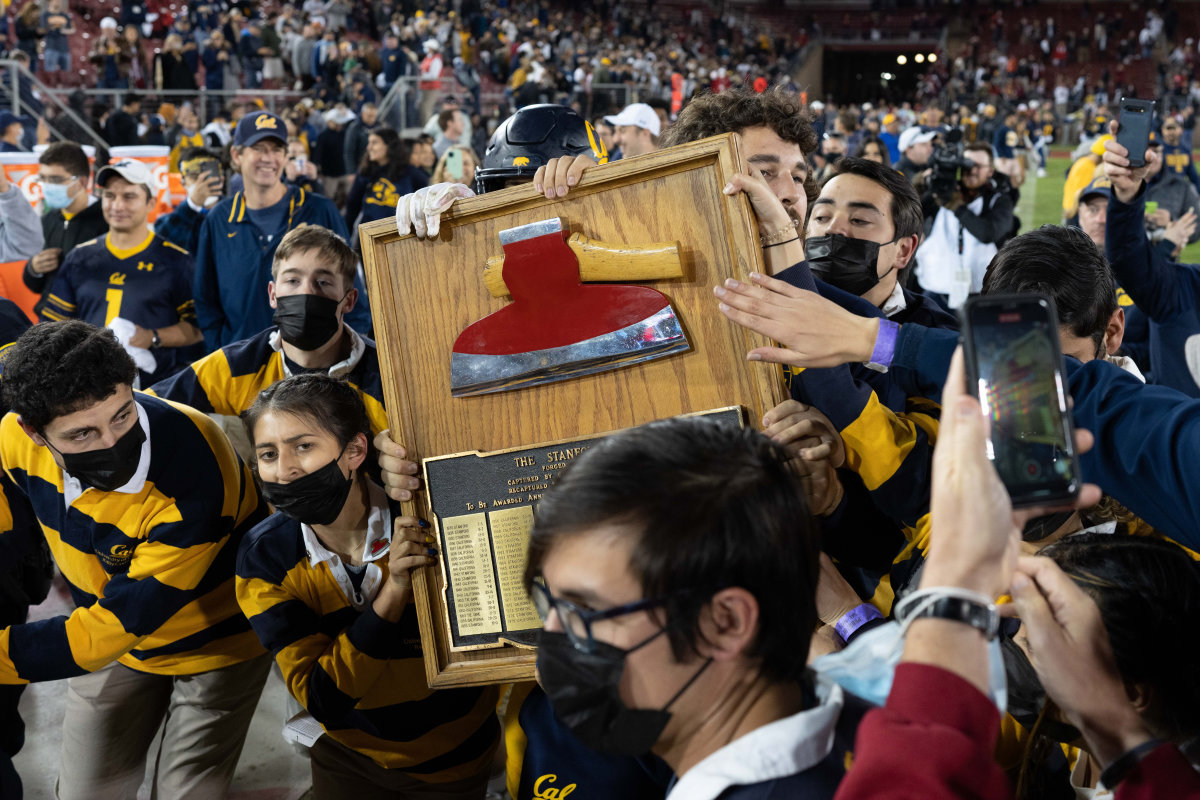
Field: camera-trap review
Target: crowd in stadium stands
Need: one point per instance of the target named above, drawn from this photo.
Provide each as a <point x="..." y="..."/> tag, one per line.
<point x="809" y="607"/>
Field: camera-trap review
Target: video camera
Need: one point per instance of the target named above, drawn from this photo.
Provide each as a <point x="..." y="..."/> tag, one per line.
<point x="947" y="164"/>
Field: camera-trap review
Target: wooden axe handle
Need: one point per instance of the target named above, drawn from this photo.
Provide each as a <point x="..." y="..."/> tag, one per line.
<point x="601" y="262"/>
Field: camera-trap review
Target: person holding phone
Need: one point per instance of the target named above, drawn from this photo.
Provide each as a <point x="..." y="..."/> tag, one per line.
<point x="1168" y="293"/>
<point x="326" y="584"/>
<point x="457" y="165"/>
<point x="383" y="177"/>
<point x="204" y="180"/>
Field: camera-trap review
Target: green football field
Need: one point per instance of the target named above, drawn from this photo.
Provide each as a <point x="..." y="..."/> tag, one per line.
<point x="1043" y="205"/>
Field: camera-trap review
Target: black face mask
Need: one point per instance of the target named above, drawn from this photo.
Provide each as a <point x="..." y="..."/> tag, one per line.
<point x="314" y="499"/>
<point x="112" y="467"/>
<point x="845" y="263"/>
<point x="1027" y="697"/>
<point x="307" y="321"/>
<point x="583" y="689"/>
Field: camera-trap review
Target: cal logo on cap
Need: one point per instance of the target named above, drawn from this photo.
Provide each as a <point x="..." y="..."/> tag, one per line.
<point x="521" y="161"/>
<point x="264" y="121"/>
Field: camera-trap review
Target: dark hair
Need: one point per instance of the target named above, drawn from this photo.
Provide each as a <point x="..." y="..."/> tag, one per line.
<point x="907" y="218"/>
<point x="1065" y="264"/>
<point x="445" y="117"/>
<point x="58" y="368"/>
<point x="735" y="110"/>
<point x="1148" y="592"/>
<point x="197" y="152"/>
<point x="715" y="506"/>
<point x="397" y="157"/>
<point x="330" y="403"/>
<point x="982" y="147"/>
<point x="67" y="155"/>
<point x="866" y="140"/>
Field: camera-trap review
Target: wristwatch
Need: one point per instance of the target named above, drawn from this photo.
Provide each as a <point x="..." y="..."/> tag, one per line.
<point x="983" y="618"/>
<point x="156" y="342"/>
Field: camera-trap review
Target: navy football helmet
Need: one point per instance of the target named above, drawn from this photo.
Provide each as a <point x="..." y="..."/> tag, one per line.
<point x="530" y="138"/>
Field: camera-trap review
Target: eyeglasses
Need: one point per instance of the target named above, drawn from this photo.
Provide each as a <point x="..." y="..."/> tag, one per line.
<point x="576" y="621"/>
<point x="55" y="180"/>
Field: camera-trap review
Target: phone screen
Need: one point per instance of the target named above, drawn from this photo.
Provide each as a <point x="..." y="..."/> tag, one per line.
<point x="454" y="164"/>
<point x="1018" y="369"/>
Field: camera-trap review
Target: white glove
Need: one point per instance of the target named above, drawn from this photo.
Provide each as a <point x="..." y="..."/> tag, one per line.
<point x="421" y="212"/>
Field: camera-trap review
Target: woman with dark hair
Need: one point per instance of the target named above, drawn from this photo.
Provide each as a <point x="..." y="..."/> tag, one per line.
<point x="325" y="582"/>
<point x="383" y="177"/>
<point x="872" y="148"/>
<point x="1148" y="593"/>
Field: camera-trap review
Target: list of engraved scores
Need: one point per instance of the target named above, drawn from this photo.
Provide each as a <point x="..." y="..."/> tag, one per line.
<point x="484" y="505"/>
<point x="469" y="557"/>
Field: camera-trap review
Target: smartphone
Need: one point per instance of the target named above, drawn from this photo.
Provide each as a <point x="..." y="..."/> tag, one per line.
<point x="454" y="164"/>
<point x="1133" y="132"/>
<point x="1015" y="367"/>
<point x="212" y="168"/>
<point x="301" y="164"/>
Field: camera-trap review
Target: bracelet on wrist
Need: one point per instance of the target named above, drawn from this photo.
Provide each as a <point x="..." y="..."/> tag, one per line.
<point x="1118" y="770"/>
<point x="779" y="235"/>
<point x="785" y="241"/>
<point x="854" y="619"/>
<point x="949" y="603"/>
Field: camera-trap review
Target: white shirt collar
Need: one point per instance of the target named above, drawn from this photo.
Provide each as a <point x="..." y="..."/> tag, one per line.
<point x="358" y="346"/>
<point x="72" y="488"/>
<point x="1126" y="363"/>
<point x="379" y="527"/>
<point x="895" y="302"/>
<point x="785" y="747"/>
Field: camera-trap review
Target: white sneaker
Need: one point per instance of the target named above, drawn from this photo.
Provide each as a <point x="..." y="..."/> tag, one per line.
<point x="1041" y="172"/>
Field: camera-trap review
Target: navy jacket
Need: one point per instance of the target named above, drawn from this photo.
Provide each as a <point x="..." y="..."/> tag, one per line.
<point x="1167" y="292"/>
<point x="233" y="266"/>
<point x="1146" y="436"/>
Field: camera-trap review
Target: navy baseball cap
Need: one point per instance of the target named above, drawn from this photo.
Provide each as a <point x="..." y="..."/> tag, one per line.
<point x="1100" y="186"/>
<point x="255" y="127"/>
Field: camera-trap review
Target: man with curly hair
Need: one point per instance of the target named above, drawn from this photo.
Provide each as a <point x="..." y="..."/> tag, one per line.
<point x="143" y="504"/>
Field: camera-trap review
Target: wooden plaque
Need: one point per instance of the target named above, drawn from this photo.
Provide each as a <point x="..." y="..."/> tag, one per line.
<point x="424" y="293"/>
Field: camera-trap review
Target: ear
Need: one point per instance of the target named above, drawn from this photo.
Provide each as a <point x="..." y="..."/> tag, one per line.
<point x="1114" y="332"/>
<point x="31" y="433"/>
<point x="235" y="157"/>
<point x="1140" y="695"/>
<point x="728" y="624"/>
<point x="905" y="248"/>
<point x="271" y="293"/>
<point x="356" y="451"/>
<point x="349" y="301"/>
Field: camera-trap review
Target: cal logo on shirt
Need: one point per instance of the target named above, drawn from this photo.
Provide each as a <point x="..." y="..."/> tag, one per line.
<point x="118" y="557"/>
<point x="544" y="788"/>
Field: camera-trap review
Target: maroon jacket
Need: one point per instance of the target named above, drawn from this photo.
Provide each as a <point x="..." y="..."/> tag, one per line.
<point x="935" y="738"/>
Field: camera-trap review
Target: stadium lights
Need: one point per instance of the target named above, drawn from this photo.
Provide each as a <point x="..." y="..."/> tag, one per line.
<point x="919" y="58"/>
<point x="901" y="60"/>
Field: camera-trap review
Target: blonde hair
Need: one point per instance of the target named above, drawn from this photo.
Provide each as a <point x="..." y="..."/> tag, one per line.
<point x="439" y="171"/>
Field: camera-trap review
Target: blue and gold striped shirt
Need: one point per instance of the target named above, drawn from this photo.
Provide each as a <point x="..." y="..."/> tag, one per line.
<point x="361" y="677"/>
<point x="150" y="568"/>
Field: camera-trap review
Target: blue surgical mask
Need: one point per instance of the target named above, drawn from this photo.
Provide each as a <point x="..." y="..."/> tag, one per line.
<point x="867" y="666"/>
<point x="56" y="195"/>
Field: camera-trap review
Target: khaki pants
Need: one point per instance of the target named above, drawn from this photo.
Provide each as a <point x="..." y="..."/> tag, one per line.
<point x="339" y="772"/>
<point x="113" y="717"/>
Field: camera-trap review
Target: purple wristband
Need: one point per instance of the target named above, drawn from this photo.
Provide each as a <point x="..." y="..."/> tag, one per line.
<point x="885" y="346"/>
<point x="854" y="619"/>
